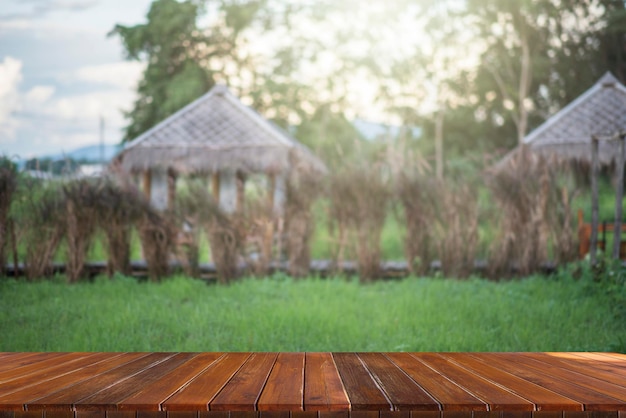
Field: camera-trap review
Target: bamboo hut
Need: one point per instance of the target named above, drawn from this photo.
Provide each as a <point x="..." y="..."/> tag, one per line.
<point x="590" y="130"/>
<point x="220" y="137"/>
<point x="599" y="112"/>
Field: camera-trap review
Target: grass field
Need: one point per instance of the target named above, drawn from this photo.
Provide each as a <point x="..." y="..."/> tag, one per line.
<point x="280" y="314"/>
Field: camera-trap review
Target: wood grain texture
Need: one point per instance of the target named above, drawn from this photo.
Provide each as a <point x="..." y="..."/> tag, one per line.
<point x="363" y="391"/>
<point x="323" y="388"/>
<point x="203" y="388"/>
<point x="401" y="390"/>
<point x="284" y="389"/>
<point x="312" y="385"/>
<point x="107" y="399"/>
<point x="40" y="389"/>
<point x="543" y="398"/>
<point x="447" y="393"/>
<point x="591" y="399"/>
<point x="498" y="398"/>
<point x="559" y="374"/>
<point x="67" y="398"/>
<point x="151" y="396"/>
<point x="242" y="392"/>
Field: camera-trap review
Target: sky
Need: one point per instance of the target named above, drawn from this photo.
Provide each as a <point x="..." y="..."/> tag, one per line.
<point x="60" y="74"/>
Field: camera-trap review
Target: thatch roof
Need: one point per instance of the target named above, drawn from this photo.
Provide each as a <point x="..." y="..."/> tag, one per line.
<point x="599" y="112"/>
<point x="214" y="133"/>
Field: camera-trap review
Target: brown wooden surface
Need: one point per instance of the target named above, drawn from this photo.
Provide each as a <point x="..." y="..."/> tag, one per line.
<point x="312" y="385"/>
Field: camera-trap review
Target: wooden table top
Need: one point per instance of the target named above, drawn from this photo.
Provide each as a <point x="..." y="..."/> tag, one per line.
<point x="312" y="385"/>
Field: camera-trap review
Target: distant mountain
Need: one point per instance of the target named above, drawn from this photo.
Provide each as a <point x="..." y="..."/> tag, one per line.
<point x="89" y="153"/>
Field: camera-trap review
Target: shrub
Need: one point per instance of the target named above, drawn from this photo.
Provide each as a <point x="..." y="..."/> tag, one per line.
<point x="39" y="214"/>
<point x="534" y="198"/>
<point x="81" y="213"/>
<point x="417" y="195"/>
<point x="8" y="184"/>
<point x="299" y="224"/>
<point x="359" y="200"/>
<point x="119" y="207"/>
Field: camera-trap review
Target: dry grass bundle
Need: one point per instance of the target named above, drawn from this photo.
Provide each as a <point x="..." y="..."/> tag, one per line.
<point x="226" y="232"/>
<point x="259" y="226"/>
<point x="299" y="224"/>
<point x="81" y="206"/>
<point x="38" y="212"/>
<point x="418" y="197"/>
<point x="187" y="241"/>
<point x="8" y="185"/>
<point x="535" y="204"/>
<point x="456" y="234"/>
<point x="358" y="208"/>
<point x="157" y="236"/>
<point x="119" y="207"/>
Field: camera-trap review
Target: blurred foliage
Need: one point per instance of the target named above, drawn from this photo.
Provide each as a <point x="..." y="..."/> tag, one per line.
<point x="494" y="69"/>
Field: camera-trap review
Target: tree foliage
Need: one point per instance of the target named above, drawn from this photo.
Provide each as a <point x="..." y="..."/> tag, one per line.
<point x="483" y="72"/>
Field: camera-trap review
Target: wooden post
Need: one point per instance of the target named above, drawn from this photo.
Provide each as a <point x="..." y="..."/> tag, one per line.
<point x="241" y="190"/>
<point x="595" y="171"/>
<point x="271" y="188"/>
<point x="171" y="189"/>
<point x="619" y="195"/>
<point x="147" y="183"/>
<point x="215" y="186"/>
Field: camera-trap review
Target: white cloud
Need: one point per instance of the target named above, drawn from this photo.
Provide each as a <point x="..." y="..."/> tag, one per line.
<point x="125" y="74"/>
<point x="10" y="78"/>
<point x="39" y="94"/>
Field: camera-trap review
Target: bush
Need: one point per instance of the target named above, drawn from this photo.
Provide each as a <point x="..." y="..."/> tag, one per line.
<point x="8" y="185"/>
<point x="359" y="202"/>
<point x="39" y="215"/>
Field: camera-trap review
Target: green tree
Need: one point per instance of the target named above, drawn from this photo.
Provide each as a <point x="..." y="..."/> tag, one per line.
<point x="173" y="47"/>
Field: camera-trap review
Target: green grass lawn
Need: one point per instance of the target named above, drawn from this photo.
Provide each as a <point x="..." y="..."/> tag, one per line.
<point x="280" y="314"/>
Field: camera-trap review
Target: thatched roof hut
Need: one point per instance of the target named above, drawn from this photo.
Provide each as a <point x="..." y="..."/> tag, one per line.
<point x="216" y="135"/>
<point x="599" y="112"/>
<point x="217" y="132"/>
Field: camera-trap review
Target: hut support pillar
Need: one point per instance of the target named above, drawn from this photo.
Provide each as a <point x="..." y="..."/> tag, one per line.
<point x="147" y="183"/>
<point x="171" y="189"/>
<point x="595" y="172"/>
<point x="241" y="191"/>
<point x="276" y="192"/>
<point x="215" y="186"/>
<point x="619" y="196"/>
<point x="228" y="191"/>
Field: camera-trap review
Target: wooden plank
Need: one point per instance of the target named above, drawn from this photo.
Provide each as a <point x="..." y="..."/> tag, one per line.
<point x="243" y="390"/>
<point x="589" y="398"/>
<point x="593" y="359"/>
<point x="323" y="389"/>
<point x="450" y="395"/>
<point x="601" y="359"/>
<point x="107" y="399"/>
<point x="66" y="398"/>
<point x="615" y="375"/>
<point x="273" y="414"/>
<point x="47" y="373"/>
<point x="284" y="390"/>
<point x="16" y="359"/>
<point x="40" y="389"/>
<point x="203" y="388"/>
<point x="46" y="360"/>
<point x="151" y="396"/>
<point x="362" y="389"/>
<point x="498" y="398"/>
<point x="544" y="399"/>
<point x="559" y="374"/>
<point x="401" y="390"/>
